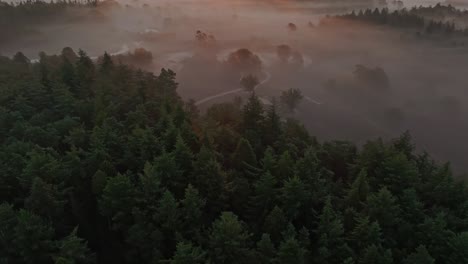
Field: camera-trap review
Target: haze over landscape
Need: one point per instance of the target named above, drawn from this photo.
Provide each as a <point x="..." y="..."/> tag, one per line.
<point x="155" y="131"/>
<point x="426" y="78"/>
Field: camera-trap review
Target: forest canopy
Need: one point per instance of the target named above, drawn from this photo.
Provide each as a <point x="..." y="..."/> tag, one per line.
<point x="103" y="163"/>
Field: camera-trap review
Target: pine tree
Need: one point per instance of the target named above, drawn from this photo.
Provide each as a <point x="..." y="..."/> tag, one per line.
<point x="183" y="156"/>
<point x="85" y="74"/>
<point x="398" y="173"/>
<point x="187" y="253"/>
<point x="264" y="196"/>
<point x="208" y="178"/>
<point x="98" y="182"/>
<point x="359" y="191"/>
<point x="291" y="252"/>
<point x="170" y="174"/>
<point x="45" y="200"/>
<point x="331" y="244"/>
<point x="374" y="254"/>
<point x="295" y="197"/>
<point x="420" y="256"/>
<point x="228" y="241"/>
<point x="168" y="213"/>
<point x="458" y="249"/>
<point x="384" y="209"/>
<point x="33" y="239"/>
<point x="266" y="249"/>
<point x="67" y="71"/>
<point x="285" y="167"/>
<point x="272" y="124"/>
<point x="150" y="189"/>
<point x="8" y="221"/>
<point x="252" y="113"/>
<point x="268" y="161"/>
<point x="192" y="211"/>
<point x="275" y="223"/>
<point x="73" y="250"/>
<point x="118" y="199"/>
<point x="244" y="156"/>
<point x="106" y="64"/>
<point x="365" y="233"/>
<point x="404" y="145"/>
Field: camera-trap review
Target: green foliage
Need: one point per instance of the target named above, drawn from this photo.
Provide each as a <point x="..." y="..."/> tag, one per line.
<point x="420" y="256"/>
<point x="229" y="241"/>
<point x="74" y="250"/>
<point x="192" y="211"/>
<point x="186" y="253"/>
<point x="103" y="163"/>
<point x="118" y="199"/>
<point x="266" y="249"/>
<point x="331" y="241"/>
<point x="458" y="248"/>
<point x="33" y="239"/>
<point x="290" y="252"/>
<point x="359" y="191"/>
<point x="244" y="155"/>
<point x="275" y="223"/>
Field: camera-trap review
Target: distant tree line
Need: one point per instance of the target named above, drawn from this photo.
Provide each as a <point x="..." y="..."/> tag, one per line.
<point x="403" y="18"/>
<point x="19" y="19"/>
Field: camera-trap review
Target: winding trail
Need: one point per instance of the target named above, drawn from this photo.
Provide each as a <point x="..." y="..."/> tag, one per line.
<point x="209" y="98"/>
<point x="312" y="100"/>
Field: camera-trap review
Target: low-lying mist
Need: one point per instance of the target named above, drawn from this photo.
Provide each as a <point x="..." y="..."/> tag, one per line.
<point x="359" y="81"/>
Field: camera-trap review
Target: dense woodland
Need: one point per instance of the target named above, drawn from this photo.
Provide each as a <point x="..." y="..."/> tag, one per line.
<point x="24" y="18"/>
<point x="423" y="20"/>
<point x="101" y="163"/>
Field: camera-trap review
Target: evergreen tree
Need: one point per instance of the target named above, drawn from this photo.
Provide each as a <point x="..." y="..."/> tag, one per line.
<point x="168" y="213"/>
<point x="275" y="223"/>
<point x="268" y="161"/>
<point x="183" y="156"/>
<point x="228" y="241"/>
<point x="74" y="250"/>
<point x="208" y="178"/>
<point x="187" y="253"/>
<point x="117" y="201"/>
<point x="252" y="114"/>
<point x="8" y="221"/>
<point x="285" y="166"/>
<point x="374" y="254"/>
<point x="266" y="249"/>
<point x="331" y="245"/>
<point x="33" y="238"/>
<point x="295" y="197"/>
<point x="291" y="252"/>
<point x="365" y="233"/>
<point x="45" y="200"/>
<point x="192" y="211"/>
<point x="264" y="196"/>
<point x="272" y="124"/>
<point x="244" y="156"/>
<point x="384" y="209"/>
<point x="106" y="64"/>
<point x="420" y="256"/>
<point x="170" y="173"/>
<point x="359" y="191"/>
<point x="458" y="249"/>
